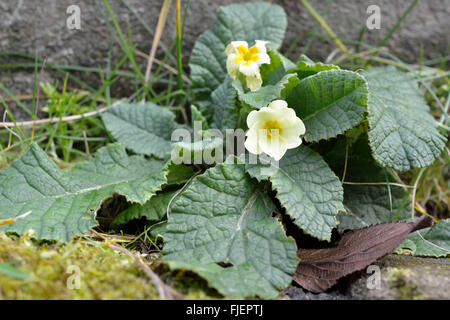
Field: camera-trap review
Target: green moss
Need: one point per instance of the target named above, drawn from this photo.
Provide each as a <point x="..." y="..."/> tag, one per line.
<point x="104" y="273"/>
<point x="406" y="290"/>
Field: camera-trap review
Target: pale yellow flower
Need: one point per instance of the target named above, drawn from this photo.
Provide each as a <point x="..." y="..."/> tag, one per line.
<point x="247" y="61"/>
<point x="273" y="130"/>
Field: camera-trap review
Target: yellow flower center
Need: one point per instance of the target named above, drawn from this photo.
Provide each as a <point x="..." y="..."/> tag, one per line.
<point x="246" y="56"/>
<point x="272" y="125"/>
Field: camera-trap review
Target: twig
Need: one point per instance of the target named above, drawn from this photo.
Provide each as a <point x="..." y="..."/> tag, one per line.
<point x="99" y="235"/>
<point x="164" y="291"/>
<point x="14" y="220"/>
<point x="358" y="55"/>
<point x="396" y="176"/>
<point x="378" y="183"/>
<point x="431" y="243"/>
<point x="19" y="97"/>
<point x="51" y="120"/>
<point x="7" y="127"/>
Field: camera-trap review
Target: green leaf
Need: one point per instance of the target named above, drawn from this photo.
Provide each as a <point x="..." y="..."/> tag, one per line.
<point x="329" y="103"/>
<point x="207" y="150"/>
<point x="233" y="282"/>
<point x="153" y="210"/>
<point x="307" y="188"/>
<point x="435" y="242"/>
<point x="198" y="116"/>
<point x="262" y="97"/>
<point x="275" y="71"/>
<point x="64" y="204"/>
<point x="9" y="270"/>
<point x="178" y="174"/>
<point x="402" y="133"/>
<point x="144" y="128"/>
<point x="305" y="67"/>
<point x="248" y="22"/>
<point x="222" y="216"/>
<point x="224" y="109"/>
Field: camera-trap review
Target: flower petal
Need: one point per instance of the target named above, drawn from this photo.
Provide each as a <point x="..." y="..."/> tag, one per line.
<point x="232" y="67"/>
<point x="259" y="117"/>
<point x="261" y="45"/>
<point x="253" y="118"/>
<point x="286" y="116"/>
<point x="276" y="148"/>
<point x="250" y="70"/>
<point x="251" y="143"/>
<point x="295" y="130"/>
<point x="263" y="59"/>
<point x="232" y="47"/>
<point x="254" y="83"/>
<point x="279" y="105"/>
<point x="292" y="142"/>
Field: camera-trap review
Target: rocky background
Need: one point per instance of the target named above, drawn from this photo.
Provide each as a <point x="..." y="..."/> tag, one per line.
<point x="39" y="28"/>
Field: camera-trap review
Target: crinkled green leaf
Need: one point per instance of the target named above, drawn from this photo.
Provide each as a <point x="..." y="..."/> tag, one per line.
<point x="153" y="210"/>
<point x="402" y="135"/>
<point x="248" y="22"/>
<point x="64" y="204"/>
<point x="365" y="204"/>
<point x="277" y="68"/>
<point x="144" y="128"/>
<point x="178" y="173"/>
<point x="224" y="109"/>
<point x="307" y="188"/>
<point x="436" y="243"/>
<point x="329" y="103"/>
<point x="222" y="216"/>
<point x="262" y="97"/>
<point x="306" y="67"/>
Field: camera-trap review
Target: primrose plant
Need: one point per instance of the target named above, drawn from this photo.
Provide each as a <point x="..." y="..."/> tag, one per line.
<point x="330" y="136"/>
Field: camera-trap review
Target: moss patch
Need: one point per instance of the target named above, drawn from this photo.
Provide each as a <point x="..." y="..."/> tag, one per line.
<point x="406" y="290"/>
<point x="52" y="271"/>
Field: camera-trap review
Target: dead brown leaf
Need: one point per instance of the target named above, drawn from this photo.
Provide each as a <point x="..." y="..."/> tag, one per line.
<point x="320" y="269"/>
